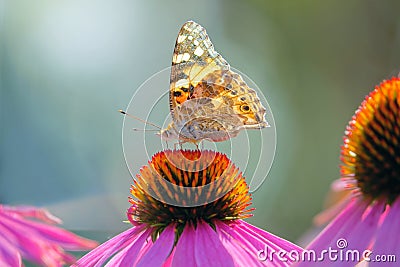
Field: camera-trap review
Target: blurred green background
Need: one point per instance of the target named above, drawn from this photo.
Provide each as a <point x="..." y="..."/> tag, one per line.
<point x="68" y="66"/>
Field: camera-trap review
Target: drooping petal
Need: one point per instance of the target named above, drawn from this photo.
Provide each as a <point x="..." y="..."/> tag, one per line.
<point x="159" y="252"/>
<point x="209" y="249"/>
<point x="53" y="234"/>
<point x="9" y="255"/>
<point x="99" y="255"/>
<point x="360" y="237"/>
<point x="184" y="251"/>
<point x="201" y="247"/>
<point x="282" y="243"/>
<point x="387" y="238"/>
<point x="129" y="255"/>
<point x="29" y="244"/>
<point x="32" y="212"/>
<point x="345" y="220"/>
<point x="242" y="250"/>
<point x="261" y="244"/>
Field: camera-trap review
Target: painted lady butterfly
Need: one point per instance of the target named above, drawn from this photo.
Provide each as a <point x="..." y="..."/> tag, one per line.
<point x="207" y="99"/>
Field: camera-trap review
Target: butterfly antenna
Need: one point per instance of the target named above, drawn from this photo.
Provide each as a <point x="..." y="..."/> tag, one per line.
<point x="139" y="119"/>
<point x="145" y="130"/>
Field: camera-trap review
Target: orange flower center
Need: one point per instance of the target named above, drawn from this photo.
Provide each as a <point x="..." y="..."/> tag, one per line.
<point x="371" y="150"/>
<point x="183" y="186"/>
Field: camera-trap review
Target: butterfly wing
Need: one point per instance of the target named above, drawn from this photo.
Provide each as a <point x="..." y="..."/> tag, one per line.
<point x="199" y="72"/>
<point x="194" y="57"/>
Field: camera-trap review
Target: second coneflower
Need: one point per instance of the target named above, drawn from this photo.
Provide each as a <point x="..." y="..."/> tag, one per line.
<point x="187" y="210"/>
<point x="367" y="229"/>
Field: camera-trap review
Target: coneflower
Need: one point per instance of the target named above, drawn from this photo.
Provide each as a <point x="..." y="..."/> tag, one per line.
<point x="188" y="210"/>
<point x="367" y="229"/>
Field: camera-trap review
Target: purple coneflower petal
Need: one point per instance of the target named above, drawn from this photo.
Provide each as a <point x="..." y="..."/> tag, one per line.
<point x="33" y="212"/>
<point x="201" y="247"/>
<point x="54" y="234"/>
<point x="244" y="251"/>
<point x="273" y="239"/>
<point x="9" y="255"/>
<point x="35" y="241"/>
<point x="159" y="252"/>
<point x="209" y="249"/>
<point x="99" y="255"/>
<point x="360" y="236"/>
<point x="252" y="239"/>
<point x="29" y="244"/>
<point x="130" y="254"/>
<point x="345" y="220"/>
<point x="184" y="250"/>
<point x="387" y="236"/>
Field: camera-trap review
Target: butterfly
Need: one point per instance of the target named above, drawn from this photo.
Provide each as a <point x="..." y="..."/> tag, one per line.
<point x="207" y="99"/>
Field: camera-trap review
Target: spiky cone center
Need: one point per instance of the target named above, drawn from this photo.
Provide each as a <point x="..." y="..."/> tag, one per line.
<point x="371" y="150"/>
<point x="184" y="186"/>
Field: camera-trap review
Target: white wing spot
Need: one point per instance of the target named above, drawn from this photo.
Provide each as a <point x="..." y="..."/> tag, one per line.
<point x="181" y="38"/>
<point x="196" y="43"/>
<point x="198" y="52"/>
<point x="177" y="58"/>
<point x="181" y="58"/>
<point x="185" y="57"/>
<point x="190" y="37"/>
<point x="182" y="83"/>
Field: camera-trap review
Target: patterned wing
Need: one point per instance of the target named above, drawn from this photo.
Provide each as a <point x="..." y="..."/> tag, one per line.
<point x="198" y="71"/>
<point x="194" y="57"/>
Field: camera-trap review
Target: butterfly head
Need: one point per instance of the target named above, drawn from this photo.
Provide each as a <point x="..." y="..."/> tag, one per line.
<point x="168" y="133"/>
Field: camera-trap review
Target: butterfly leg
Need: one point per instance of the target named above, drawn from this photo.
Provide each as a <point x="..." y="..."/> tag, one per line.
<point x="179" y="143"/>
<point x="166" y="144"/>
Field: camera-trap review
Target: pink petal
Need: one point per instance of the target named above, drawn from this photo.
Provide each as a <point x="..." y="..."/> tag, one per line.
<point x="339" y="228"/>
<point x="159" y="252"/>
<point x="9" y="255"/>
<point x="99" y="255"/>
<point x="54" y="234"/>
<point x="200" y="247"/>
<point x="33" y="212"/>
<point x="359" y="238"/>
<point x="280" y="242"/>
<point x="35" y="241"/>
<point x="129" y="255"/>
<point x="29" y="244"/>
<point x="209" y="250"/>
<point x="184" y="250"/>
<point x="243" y="252"/>
<point x="346" y="220"/>
<point x="259" y="243"/>
<point x="387" y="238"/>
<point x="168" y="262"/>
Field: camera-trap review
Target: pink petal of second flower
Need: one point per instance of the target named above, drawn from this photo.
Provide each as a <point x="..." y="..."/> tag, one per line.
<point x="344" y="221"/>
<point x="387" y="238"/>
